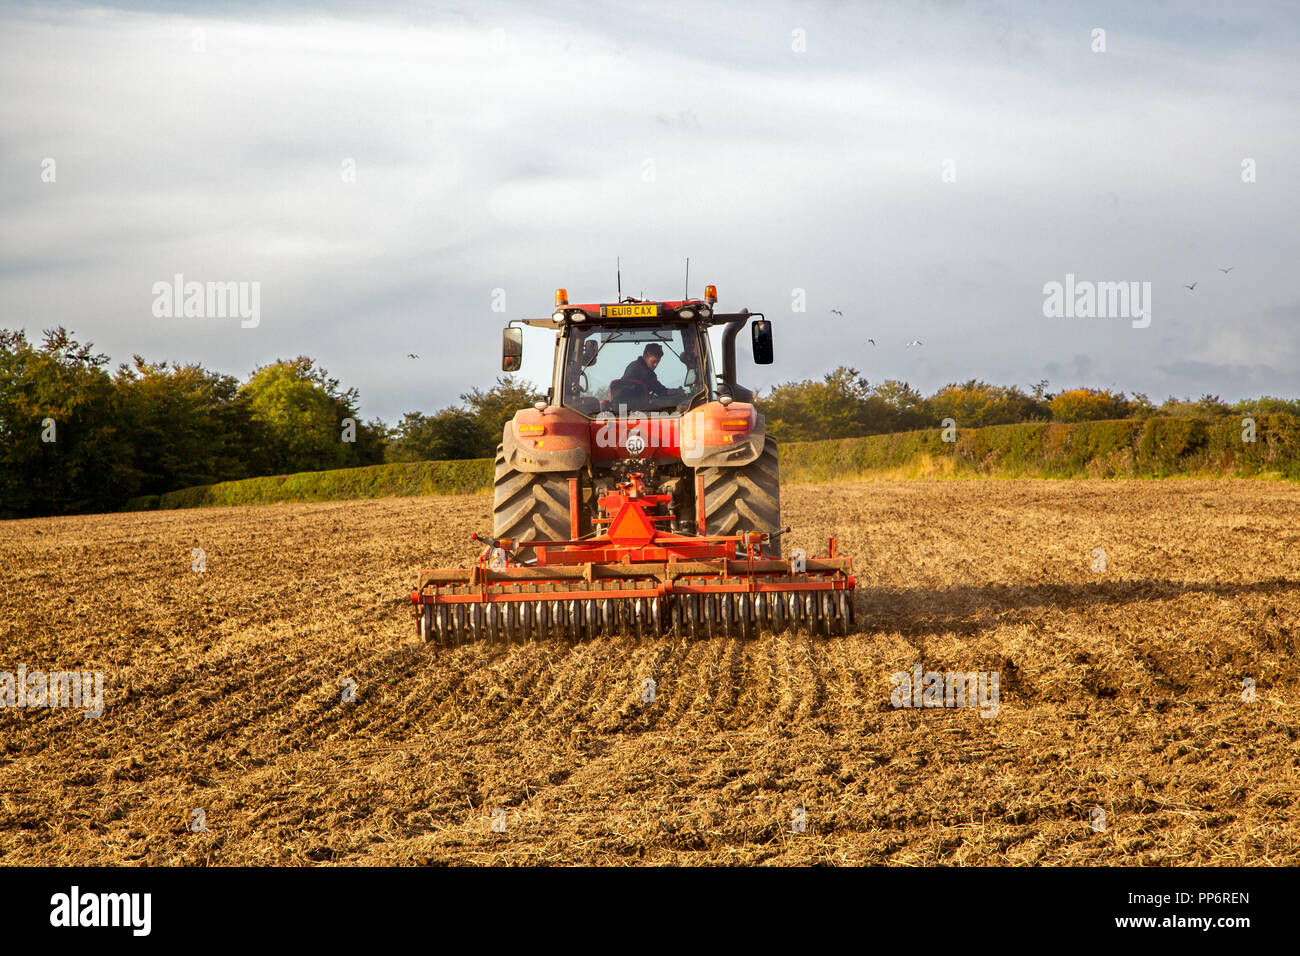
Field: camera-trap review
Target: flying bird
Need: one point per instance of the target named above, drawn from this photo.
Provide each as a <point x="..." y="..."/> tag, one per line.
<point x="1227" y="270"/>
<point x="838" y="312"/>
<point x="872" y="341"/>
<point x="914" y="342"/>
<point x="1190" y="288"/>
<point x="412" y="355"/>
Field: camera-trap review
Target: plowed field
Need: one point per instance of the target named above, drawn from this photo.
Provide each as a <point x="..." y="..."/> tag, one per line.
<point x="1121" y="693"/>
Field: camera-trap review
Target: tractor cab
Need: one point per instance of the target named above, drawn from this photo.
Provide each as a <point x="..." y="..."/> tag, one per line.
<point x="640" y="356"/>
<point x="621" y="367"/>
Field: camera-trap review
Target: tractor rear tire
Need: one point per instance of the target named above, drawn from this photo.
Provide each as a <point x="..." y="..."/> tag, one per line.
<point x="527" y="505"/>
<point x="747" y="498"/>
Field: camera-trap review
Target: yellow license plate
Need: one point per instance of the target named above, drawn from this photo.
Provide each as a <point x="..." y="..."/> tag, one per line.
<point x="639" y="310"/>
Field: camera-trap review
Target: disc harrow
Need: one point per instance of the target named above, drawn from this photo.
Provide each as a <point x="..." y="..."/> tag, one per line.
<point x="633" y="577"/>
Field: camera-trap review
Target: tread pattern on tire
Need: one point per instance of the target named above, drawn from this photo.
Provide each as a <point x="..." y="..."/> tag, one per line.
<point x="747" y="498"/>
<point x="529" y="505"/>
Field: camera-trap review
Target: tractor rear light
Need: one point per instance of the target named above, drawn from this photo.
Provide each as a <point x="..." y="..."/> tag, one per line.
<point x="532" y="429"/>
<point x="705" y="312"/>
<point x="561" y="297"/>
<point x="558" y="317"/>
<point x="686" y="313"/>
<point x="735" y="423"/>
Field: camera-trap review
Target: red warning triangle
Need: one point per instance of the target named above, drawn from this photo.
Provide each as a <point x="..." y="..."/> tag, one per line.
<point x="631" y="528"/>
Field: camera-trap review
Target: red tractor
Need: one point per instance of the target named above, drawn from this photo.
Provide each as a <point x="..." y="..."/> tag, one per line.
<point x="636" y="381"/>
<point x="643" y="496"/>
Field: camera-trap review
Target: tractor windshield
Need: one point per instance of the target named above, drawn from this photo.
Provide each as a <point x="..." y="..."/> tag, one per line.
<point x="620" y="369"/>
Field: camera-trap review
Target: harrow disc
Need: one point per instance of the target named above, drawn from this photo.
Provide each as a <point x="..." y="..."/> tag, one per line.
<point x="693" y="615"/>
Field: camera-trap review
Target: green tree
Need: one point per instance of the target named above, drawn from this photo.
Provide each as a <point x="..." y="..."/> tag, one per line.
<point x="1140" y="406"/>
<point x="977" y="404"/>
<point x="841" y="405"/>
<point x="493" y="408"/>
<point x="1213" y="405"/>
<point x="189" y="426"/>
<point x="449" y="434"/>
<point x="906" y="405"/>
<point x="1266" y="405"/>
<point x="63" y="448"/>
<point x="1206" y="405"/>
<point x="307" y="420"/>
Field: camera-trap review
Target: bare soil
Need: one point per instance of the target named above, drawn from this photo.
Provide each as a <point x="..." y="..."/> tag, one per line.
<point x="1120" y="689"/>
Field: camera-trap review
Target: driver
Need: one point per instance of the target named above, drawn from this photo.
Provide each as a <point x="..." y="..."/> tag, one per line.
<point x="642" y="369"/>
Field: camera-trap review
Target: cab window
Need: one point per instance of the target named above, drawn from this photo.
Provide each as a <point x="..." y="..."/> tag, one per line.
<point x="599" y="359"/>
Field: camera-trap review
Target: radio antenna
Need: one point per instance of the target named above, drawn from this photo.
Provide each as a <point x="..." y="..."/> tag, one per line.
<point x="618" y="268"/>
<point x="686" y="294"/>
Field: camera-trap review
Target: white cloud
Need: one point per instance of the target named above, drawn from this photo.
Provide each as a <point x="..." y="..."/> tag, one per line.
<point x="505" y="149"/>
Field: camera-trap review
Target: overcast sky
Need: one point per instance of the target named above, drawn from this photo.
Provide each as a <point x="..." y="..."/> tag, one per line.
<point x="782" y="147"/>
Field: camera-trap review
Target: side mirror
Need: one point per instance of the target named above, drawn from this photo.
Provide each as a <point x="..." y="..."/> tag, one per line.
<point x="512" y="349"/>
<point x="761" y="337"/>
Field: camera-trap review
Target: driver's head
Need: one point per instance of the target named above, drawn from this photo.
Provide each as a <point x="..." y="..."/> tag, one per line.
<point x="653" y="353"/>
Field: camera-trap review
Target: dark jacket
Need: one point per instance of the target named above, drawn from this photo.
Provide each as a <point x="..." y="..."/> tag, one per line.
<point x="639" y="371"/>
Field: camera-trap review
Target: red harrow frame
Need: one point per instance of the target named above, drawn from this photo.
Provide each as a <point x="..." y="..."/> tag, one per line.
<point x="633" y="577"/>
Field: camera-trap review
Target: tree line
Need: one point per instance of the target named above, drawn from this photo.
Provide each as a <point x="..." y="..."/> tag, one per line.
<point x="843" y="404"/>
<point x="77" y="436"/>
